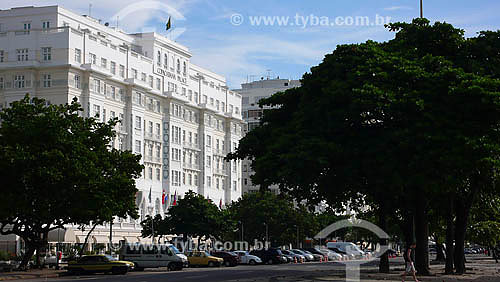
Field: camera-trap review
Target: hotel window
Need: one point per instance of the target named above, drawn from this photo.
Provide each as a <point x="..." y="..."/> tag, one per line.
<point x="158" y="129"/>
<point x="150" y="127"/>
<point x="113" y="92"/>
<point x="158" y="84"/>
<point x="122" y="70"/>
<point x="211" y="101"/>
<point x="2" y="54"/>
<point x="178" y="66"/>
<point x="209" y="141"/>
<point x="165" y="60"/>
<point x="120" y="143"/>
<point x="47" y="53"/>
<point x="234" y="185"/>
<point x="78" y="81"/>
<point x="22" y="55"/>
<point x="134" y="73"/>
<point x="151" y="79"/>
<point x="47" y="80"/>
<point x="104" y="115"/>
<point x="19" y="81"/>
<point x="104" y="63"/>
<point x="113" y="67"/>
<point x="1" y="82"/>
<point x="138" y="146"/>
<point x="217" y="183"/>
<point x="27" y="28"/>
<point x="97" y="85"/>
<point x="150" y="173"/>
<point x="46" y="25"/>
<point x="158" y="62"/>
<point x="185" y="68"/>
<point x="158" y="152"/>
<point x="209" y="181"/>
<point x="138" y="123"/>
<point x="204" y="99"/>
<point x="143" y="76"/>
<point x="223" y="107"/>
<point x="97" y="111"/>
<point x="78" y="55"/>
<point x="158" y="174"/>
<point x="92" y="58"/>
<point x="217" y="105"/>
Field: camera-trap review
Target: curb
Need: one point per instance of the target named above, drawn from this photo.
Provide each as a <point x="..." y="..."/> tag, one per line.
<point x="27" y="276"/>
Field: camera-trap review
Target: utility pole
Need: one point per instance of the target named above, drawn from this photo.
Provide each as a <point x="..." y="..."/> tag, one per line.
<point x="267" y="235"/>
<point x="111" y="237"/>
<point x="421" y="9"/>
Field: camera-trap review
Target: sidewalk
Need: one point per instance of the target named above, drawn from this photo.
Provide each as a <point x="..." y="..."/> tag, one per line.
<point x="30" y="274"/>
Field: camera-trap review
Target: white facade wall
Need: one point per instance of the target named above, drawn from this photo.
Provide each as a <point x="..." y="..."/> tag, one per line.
<point x="252" y="92"/>
<point x="172" y="112"/>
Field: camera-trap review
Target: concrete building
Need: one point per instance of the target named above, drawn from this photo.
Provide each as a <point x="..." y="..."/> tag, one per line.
<point x="180" y="117"/>
<point x="252" y="93"/>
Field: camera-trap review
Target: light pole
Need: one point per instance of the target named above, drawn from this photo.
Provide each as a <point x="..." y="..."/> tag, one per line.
<point x="421" y="8"/>
<point x="241" y="229"/>
<point x="298" y="237"/>
<point x="267" y="235"/>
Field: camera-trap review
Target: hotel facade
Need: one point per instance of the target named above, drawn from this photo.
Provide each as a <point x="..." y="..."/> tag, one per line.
<point x="180" y="117"/>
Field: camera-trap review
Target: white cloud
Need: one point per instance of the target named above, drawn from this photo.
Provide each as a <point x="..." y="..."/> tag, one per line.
<point x="397" y="8"/>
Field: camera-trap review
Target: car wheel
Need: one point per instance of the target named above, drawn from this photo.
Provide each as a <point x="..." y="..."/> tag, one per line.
<point x="227" y="263"/>
<point x="251" y="262"/>
<point x="211" y="263"/>
<point x="119" y="270"/>
<point x="270" y="261"/>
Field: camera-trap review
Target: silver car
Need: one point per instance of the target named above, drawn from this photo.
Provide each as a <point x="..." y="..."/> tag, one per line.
<point x="307" y="256"/>
<point x="299" y="257"/>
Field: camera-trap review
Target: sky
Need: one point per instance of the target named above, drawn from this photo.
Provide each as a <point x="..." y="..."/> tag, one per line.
<point x="225" y="36"/>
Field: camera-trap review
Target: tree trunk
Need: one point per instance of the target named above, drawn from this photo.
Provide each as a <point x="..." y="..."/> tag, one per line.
<point x="440" y="252"/>
<point x="30" y="250"/>
<point x="449" y="237"/>
<point x="383" y="266"/>
<point x="422" y="236"/>
<point x="86" y="240"/>
<point x="460" y="228"/>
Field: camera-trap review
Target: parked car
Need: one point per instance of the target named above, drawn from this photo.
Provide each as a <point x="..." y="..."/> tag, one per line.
<point x="346" y="247"/>
<point x="308" y="257"/>
<point x="202" y="258"/>
<point x="288" y="257"/>
<point x="331" y="254"/>
<point x="316" y="257"/>
<point x="230" y="258"/>
<point x="316" y="251"/>
<point x="298" y="257"/>
<point x="270" y="256"/>
<point x="99" y="263"/>
<point x="152" y="256"/>
<point x="246" y="258"/>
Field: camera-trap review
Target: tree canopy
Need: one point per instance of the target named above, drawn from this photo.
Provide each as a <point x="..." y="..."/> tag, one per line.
<point x="57" y="168"/>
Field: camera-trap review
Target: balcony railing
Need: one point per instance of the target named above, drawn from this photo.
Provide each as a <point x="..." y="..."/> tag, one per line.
<point x="191" y="166"/>
<point x="191" y="145"/>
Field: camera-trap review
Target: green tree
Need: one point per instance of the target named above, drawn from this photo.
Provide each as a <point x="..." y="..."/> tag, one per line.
<point x="57" y="168"/>
<point x="400" y="122"/>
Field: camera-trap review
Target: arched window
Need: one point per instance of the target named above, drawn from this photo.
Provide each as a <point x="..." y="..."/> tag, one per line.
<point x="185" y="68"/>
<point x="178" y="65"/>
<point x="165" y="60"/>
<point x="159" y="58"/>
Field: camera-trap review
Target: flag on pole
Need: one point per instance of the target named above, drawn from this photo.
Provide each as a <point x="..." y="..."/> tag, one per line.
<point x="149" y="197"/>
<point x="163" y="198"/>
<point x="166" y="199"/>
<point x="169" y="24"/>
<point x="175" y="199"/>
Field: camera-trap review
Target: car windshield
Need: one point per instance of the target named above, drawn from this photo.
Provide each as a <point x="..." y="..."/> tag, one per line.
<point x="298" y="252"/>
<point x="110" y="258"/>
<point x="174" y="249"/>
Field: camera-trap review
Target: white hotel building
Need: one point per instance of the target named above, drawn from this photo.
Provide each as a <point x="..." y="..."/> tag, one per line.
<point x="181" y="118"/>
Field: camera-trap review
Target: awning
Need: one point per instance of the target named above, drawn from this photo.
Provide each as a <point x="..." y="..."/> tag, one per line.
<point x="131" y="239"/>
<point x="99" y="239"/>
<point x="61" y="236"/>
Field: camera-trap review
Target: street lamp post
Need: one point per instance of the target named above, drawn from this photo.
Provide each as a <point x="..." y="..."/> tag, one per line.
<point x="267" y="235"/>
<point x="298" y="237"/>
<point x="421" y="8"/>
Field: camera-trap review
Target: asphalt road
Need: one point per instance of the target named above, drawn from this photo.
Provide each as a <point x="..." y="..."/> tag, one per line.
<point x="238" y="273"/>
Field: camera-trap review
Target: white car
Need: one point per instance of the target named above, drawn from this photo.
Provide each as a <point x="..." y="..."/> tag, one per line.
<point x="331" y="254"/>
<point x="246" y="258"/>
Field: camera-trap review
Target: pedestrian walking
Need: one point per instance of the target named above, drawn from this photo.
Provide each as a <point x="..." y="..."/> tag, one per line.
<point x="409" y="257"/>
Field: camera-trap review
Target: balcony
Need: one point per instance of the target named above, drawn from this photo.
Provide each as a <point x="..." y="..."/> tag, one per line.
<point x="220" y="171"/>
<point x="97" y="69"/>
<point x="191" y="166"/>
<point x="191" y="146"/>
<point x="138" y="82"/>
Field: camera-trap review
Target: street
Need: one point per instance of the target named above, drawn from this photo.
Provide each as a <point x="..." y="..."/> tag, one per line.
<point x="480" y="269"/>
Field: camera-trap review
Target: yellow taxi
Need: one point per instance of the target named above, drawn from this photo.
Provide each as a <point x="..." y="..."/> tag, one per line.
<point x="201" y="258"/>
<point x="99" y="263"/>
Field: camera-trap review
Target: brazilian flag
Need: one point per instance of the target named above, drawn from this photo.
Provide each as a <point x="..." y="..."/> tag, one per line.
<point x="169" y="24"/>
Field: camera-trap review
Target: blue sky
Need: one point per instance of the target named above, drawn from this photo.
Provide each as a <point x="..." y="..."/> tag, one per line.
<point x="249" y="51"/>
